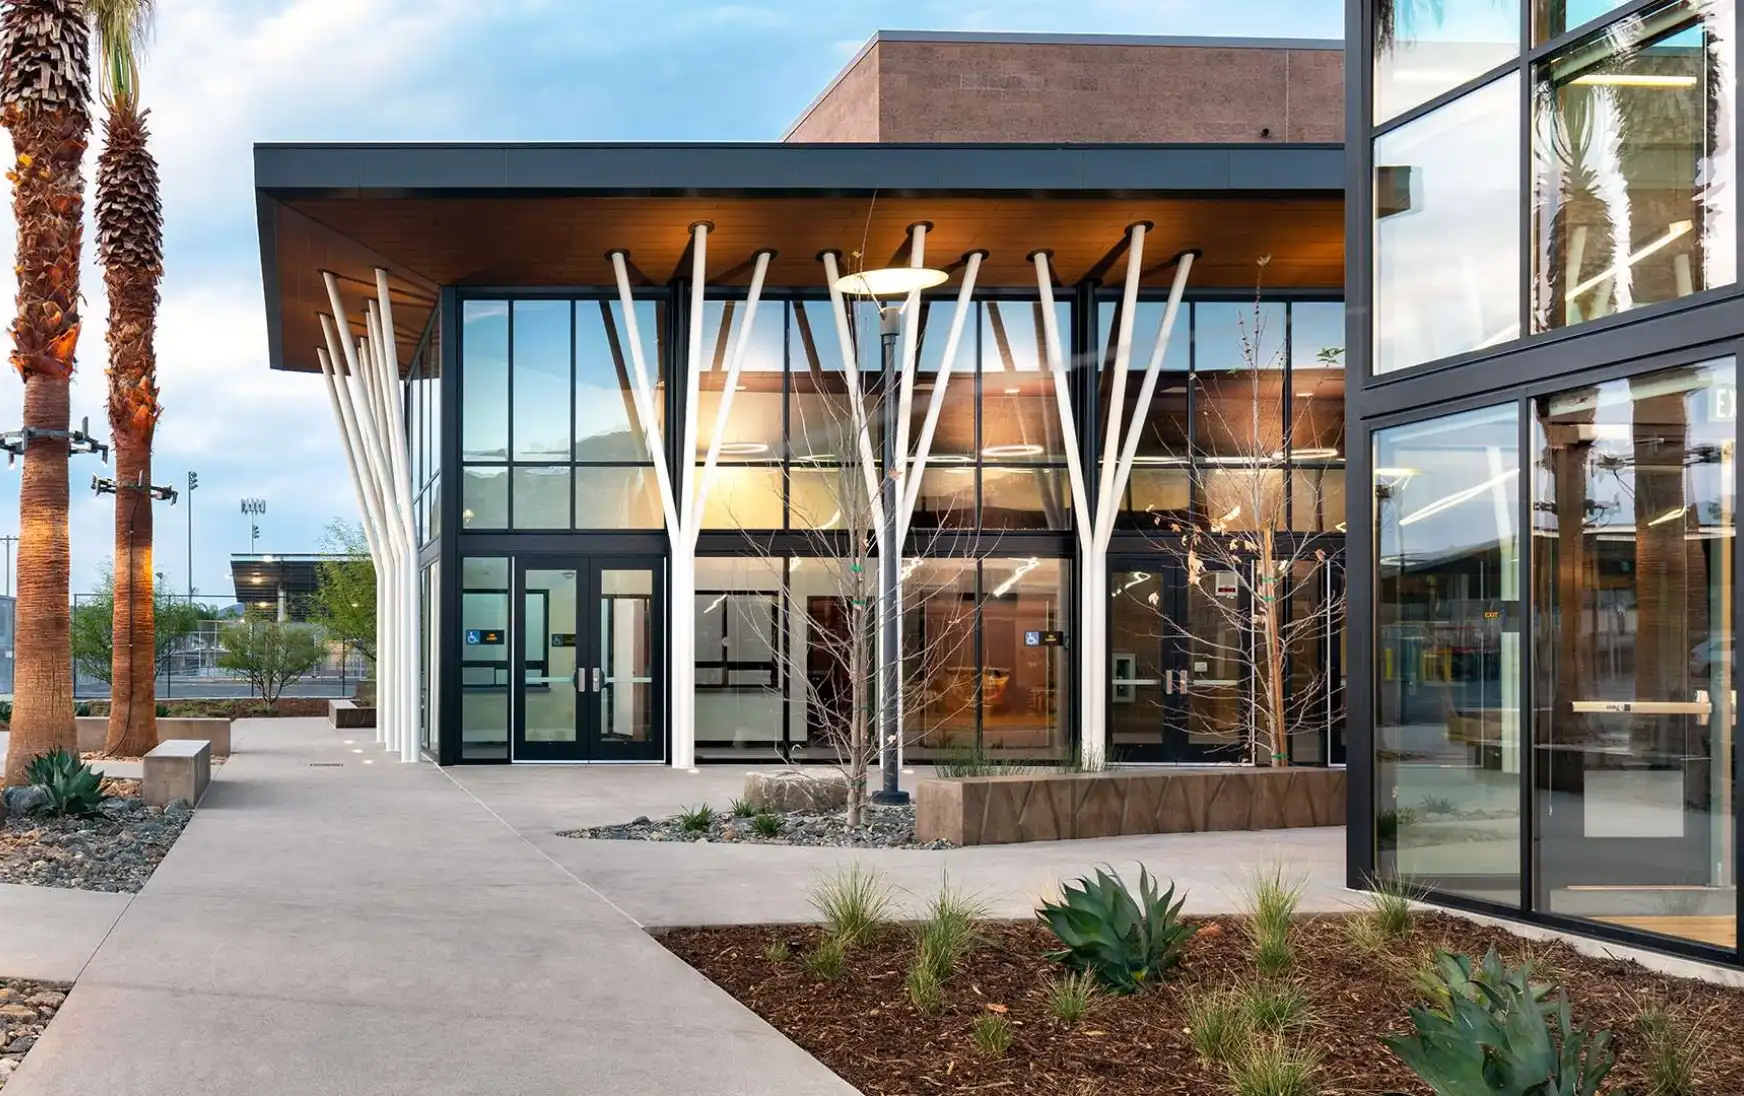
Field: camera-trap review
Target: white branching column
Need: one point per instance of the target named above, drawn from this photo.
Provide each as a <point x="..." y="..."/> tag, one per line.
<point x="1095" y="525"/>
<point x="683" y="504"/>
<point x="363" y="383"/>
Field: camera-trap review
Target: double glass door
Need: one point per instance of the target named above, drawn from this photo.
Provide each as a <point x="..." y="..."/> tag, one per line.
<point x="588" y="649"/>
<point x="1182" y="666"/>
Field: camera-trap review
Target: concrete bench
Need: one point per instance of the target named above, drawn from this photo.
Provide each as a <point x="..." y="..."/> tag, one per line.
<point x="94" y="731"/>
<point x="348" y="714"/>
<point x="178" y="769"/>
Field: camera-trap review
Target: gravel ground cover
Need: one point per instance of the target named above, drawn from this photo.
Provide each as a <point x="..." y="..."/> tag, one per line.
<point x="885" y="827"/>
<point x="25" y="1010"/>
<point x="114" y="849"/>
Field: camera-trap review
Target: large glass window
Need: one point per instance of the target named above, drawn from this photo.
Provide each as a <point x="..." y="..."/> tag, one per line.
<point x="484" y="658"/>
<point x="484" y="412"/>
<point x="1632" y="154"/>
<point x="1553" y="17"/>
<point x="1447" y="699"/>
<point x="1424" y="49"/>
<point x="1634" y="526"/>
<point x="741" y="664"/>
<point x="1447" y="230"/>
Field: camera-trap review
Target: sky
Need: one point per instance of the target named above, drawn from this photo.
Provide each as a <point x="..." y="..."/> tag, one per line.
<point x="220" y="75"/>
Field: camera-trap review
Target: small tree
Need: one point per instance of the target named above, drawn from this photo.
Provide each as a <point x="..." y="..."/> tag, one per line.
<point x="269" y="654"/>
<point x="344" y="601"/>
<point x="94" y="624"/>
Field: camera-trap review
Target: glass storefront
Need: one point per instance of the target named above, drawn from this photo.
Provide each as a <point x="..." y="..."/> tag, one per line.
<point x="485" y="679"/>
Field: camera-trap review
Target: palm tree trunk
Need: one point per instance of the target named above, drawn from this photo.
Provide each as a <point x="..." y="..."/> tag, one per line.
<point x="133" y="689"/>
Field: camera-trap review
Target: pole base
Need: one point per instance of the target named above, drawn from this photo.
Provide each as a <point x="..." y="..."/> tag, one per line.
<point x="890" y="798"/>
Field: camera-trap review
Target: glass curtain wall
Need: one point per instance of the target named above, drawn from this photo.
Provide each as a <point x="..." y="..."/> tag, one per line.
<point x="485" y="677"/>
<point x="422" y="406"/>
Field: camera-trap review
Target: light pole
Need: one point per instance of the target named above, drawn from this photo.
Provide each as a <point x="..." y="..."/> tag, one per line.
<point x="193" y="482"/>
<point x="889" y="570"/>
<point x="9" y="542"/>
<point x="254" y="508"/>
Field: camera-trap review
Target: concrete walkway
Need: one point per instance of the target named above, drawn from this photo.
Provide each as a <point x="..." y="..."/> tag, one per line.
<point x="48" y="934"/>
<point x="330" y="926"/>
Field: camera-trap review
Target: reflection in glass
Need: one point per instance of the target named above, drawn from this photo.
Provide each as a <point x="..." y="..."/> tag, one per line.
<point x="1634" y="526"/>
<point x="484" y="666"/>
<point x="946" y="499"/>
<point x="484" y="380"/>
<point x="1447" y="667"/>
<point x="820" y="694"/>
<point x="548" y="690"/>
<point x="832" y="497"/>
<point x="954" y="435"/>
<point x="754" y="427"/>
<point x="620" y="497"/>
<point x="1553" y="17"/>
<point x="484" y="498"/>
<point x="1633" y="165"/>
<point x="542" y="496"/>
<point x="1023" y="684"/>
<point x="1447" y="230"/>
<point x="1423" y="49"/>
<point x="624" y="624"/>
<point x="938" y="643"/>
<point x="606" y="424"/>
<point x="740" y="669"/>
<point x="541" y="380"/>
<point x="743" y="497"/>
<point x="1317" y="499"/>
<point x="1025" y="498"/>
<point x="1165" y="430"/>
<point x="1020" y="414"/>
<point x="820" y="413"/>
<point x="1317" y="381"/>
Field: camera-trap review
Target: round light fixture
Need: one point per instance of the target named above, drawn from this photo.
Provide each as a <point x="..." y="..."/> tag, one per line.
<point x="890" y="281"/>
<point x="743" y="448"/>
<point x="1026" y="449"/>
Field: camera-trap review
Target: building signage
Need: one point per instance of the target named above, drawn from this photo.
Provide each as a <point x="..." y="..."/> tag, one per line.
<point x="1044" y="639"/>
<point x="562" y="639"/>
<point x="483" y="637"/>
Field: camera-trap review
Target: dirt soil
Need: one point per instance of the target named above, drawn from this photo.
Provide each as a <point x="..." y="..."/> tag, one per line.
<point x="863" y="1026"/>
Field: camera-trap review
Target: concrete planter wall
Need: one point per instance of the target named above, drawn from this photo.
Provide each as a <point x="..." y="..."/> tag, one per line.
<point x="1001" y="810"/>
<point x="93" y="729"/>
<point x="350" y="714"/>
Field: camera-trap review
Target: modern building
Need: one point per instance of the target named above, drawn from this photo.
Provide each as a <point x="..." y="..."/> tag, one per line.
<point x="280" y="585"/>
<point x="633" y="495"/>
<point x="1544" y="323"/>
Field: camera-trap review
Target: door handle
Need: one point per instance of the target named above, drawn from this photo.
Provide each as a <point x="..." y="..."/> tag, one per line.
<point x="575" y="678"/>
<point x="597" y="685"/>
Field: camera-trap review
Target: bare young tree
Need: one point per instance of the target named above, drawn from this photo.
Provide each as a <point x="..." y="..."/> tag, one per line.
<point x="1261" y="546"/>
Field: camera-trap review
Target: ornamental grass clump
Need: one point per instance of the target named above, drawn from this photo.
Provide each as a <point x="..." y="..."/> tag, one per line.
<point x="1127" y="943"/>
<point x="946" y="932"/>
<point x="991" y="1032"/>
<point x="1272" y="1006"/>
<point x="854" y="905"/>
<point x="1672" y="1051"/>
<point x="1217" y="1026"/>
<point x="766" y="825"/>
<point x="828" y="960"/>
<point x="741" y="808"/>
<point x="696" y="819"/>
<point x="1272" y="1067"/>
<point x="1071" y="996"/>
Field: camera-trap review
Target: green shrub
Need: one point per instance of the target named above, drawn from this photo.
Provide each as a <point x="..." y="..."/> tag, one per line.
<point x="777" y="952"/>
<point x="73" y="789"/>
<point x="1503" y="1033"/>
<point x="1127" y="944"/>
<point x="1217" y="1026"/>
<point x="163" y="711"/>
<point x="827" y="960"/>
<point x="992" y="1034"/>
<point x="1273" y="1006"/>
<point x="1070" y="997"/>
<point x="696" y="819"/>
<point x="766" y="825"/>
<point x="1671" y="1055"/>
<point x="1271" y="1067"/>
<point x="854" y="905"/>
<point x="946" y="932"/>
<point x="81" y="708"/>
<point x="925" y="988"/>
<point x="741" y="808"/>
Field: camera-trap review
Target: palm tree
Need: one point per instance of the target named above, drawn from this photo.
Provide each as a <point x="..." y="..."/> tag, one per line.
<point x="130" y="247"/>
<point x="45" y="94"/>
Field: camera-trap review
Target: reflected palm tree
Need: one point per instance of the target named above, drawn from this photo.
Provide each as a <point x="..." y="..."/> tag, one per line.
<point x="1582" y="202"/>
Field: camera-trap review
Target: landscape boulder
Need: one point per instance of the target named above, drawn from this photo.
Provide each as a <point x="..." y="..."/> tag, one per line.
<point x="786" y="790"/>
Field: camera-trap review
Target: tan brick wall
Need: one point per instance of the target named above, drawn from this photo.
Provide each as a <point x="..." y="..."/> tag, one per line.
<point x="969" y="91"/>
<point x="848" y="111"/>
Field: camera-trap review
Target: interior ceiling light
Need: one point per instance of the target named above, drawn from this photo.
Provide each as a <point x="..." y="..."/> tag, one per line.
<point x="891" y="281"/>
<point x="743" y="448"/>
<point x="1634" y="80"/>
<point x="1023" y="449"/>
<point x="1670" y="515"/>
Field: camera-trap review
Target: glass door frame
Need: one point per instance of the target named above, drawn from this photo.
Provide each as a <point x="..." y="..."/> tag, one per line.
<point x="589" y="745"/>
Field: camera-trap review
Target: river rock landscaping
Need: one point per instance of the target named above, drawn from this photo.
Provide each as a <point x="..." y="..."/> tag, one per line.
<point x="115" y="848"/>
<point x="884" y="827"/>
<point x="1307" y="1002"/>
<point x="25" y="1010"/>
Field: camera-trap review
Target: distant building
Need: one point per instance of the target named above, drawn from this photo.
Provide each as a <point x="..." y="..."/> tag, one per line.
<point x="281" y="584"/>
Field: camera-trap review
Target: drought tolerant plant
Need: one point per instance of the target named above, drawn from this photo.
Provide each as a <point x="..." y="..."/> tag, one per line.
<point x="777" y="952"/>
<point x="854" y="904"/>
<point x="1217" y="1026"/>
<point x="696" y="819"/>
<point x="71" y="786"/>
<point x="1273" y="1006"/>
<point x="1271" y="1067"/>
<point x="1070" y="997"/>
<point x="1450" y="975"/>
<point x="961" y="762"/>
<point x="1274" y="954"/>
<point x="1671" y="1054"/>
<point x="1127" y="944"/>
<point x="1389" y="909"/>
<point x="827" y="960"/>
<point x="992" y="1034"/>
<point x="947" y="931"/>
<point x="766" y="825"/>
<point x="924" y="986"/>
<point x="1503" y="1040"/>
<point x="1270" y="900"/>
<point x="741" y="807"/>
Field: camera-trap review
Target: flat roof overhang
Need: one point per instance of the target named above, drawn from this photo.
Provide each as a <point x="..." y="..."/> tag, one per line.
<point x="525" y="215"/>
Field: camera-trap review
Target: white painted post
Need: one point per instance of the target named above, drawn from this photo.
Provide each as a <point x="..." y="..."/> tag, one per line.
<point x="935" y="407"/>
<point x="741" y="341"/>
<point x="856" y="393"/>
<point x="410" y="746"/>
<point x="683" y="573"/>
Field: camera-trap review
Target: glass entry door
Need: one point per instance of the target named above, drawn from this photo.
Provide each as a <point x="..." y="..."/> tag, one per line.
<point x="587" y="650"/>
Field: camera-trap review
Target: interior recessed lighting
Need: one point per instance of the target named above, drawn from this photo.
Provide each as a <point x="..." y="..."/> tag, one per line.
<point x="1013" y="391"/>
<point x="1023" y="449"/>
<point x="357" y="750"/>
<point x="743" y="448"/>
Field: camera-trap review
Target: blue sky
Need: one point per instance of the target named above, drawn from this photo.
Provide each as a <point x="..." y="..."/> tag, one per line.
<point x="222" y="74"/>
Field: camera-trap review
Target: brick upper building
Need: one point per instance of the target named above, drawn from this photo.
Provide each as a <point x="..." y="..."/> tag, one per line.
<point x="931" y="86"/>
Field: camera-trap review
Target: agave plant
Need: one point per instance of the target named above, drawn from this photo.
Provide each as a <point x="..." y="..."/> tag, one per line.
<point x="1452" y="976"/>
<point x="1503" y="1041"/>
<point x="1126" y="943"/>
<point x="71" y="786"/>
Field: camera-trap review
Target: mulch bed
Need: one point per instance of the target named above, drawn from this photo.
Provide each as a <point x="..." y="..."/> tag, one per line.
<point x="864" y="1028"/>
<point x="25" y="1010"/>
